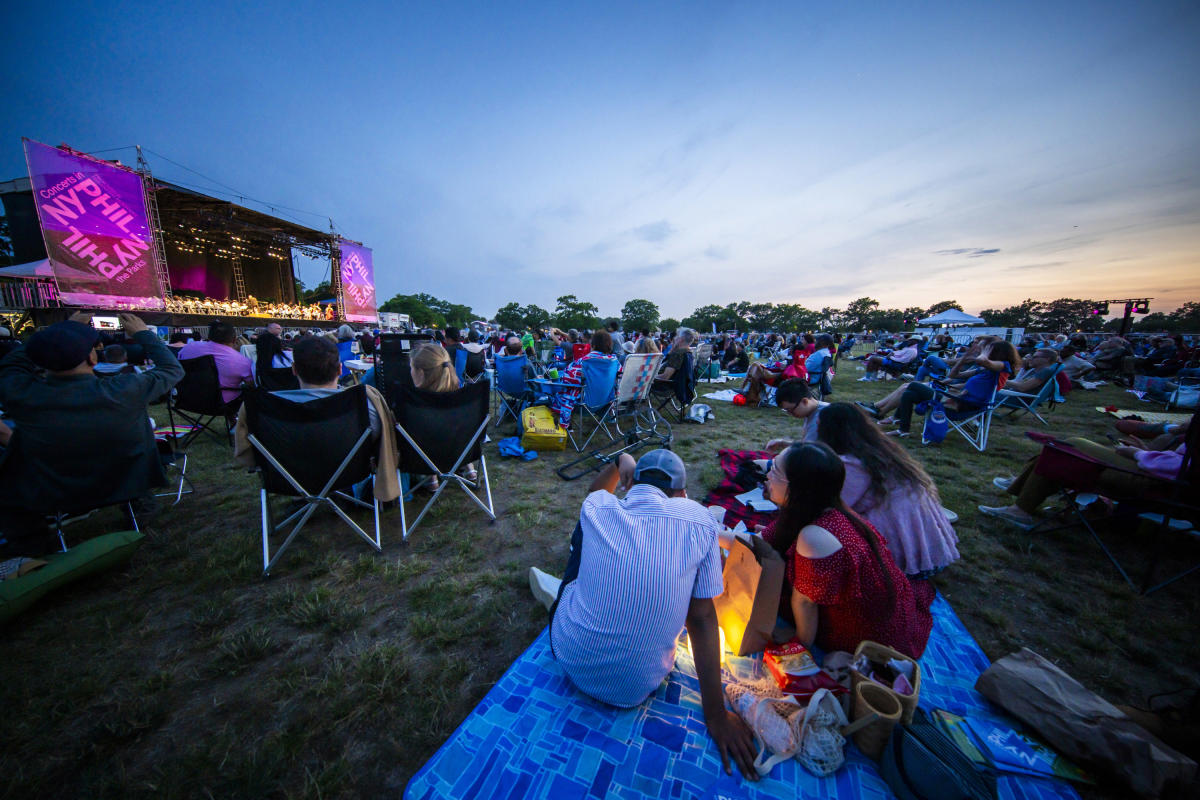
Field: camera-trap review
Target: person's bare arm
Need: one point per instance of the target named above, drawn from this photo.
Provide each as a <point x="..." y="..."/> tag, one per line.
<point x="5" y="435"/>
<point x="618" y="473"/>
<point x="805" y="613"/>
<point x="727" y="729"/>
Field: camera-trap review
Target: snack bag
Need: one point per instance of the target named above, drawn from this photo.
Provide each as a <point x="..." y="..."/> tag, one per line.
<point x="796" y="672"/>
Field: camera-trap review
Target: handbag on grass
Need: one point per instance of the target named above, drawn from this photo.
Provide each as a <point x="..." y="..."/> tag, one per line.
<point x="749" y="604"/>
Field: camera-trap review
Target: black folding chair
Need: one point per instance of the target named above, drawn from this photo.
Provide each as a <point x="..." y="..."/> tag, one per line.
<point x="315" y="450"/>
<point x="439" y="433"/>
<point x="679" y="391"/>
<point x="391" y="363"/>
<point x="72" y="479"/>
<point x="199" y="400"/>
<point x="277" y="379"/>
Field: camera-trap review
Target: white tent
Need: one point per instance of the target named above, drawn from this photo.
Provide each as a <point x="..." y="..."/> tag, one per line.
<point x="952" y="317"/>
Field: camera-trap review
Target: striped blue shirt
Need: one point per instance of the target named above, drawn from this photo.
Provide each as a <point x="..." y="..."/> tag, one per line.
<point x="643" y="559"/>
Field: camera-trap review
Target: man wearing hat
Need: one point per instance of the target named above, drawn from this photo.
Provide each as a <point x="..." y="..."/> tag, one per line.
<point x="78" y="441"/>
<point x="640" y="570"/>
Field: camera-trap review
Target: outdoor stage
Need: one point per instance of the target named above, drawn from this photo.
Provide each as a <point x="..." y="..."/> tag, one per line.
<point x="98" y="235"/>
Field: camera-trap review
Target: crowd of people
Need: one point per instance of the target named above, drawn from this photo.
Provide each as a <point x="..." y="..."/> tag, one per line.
<point x="860" y="524"/>
<point x="251" y="307"/>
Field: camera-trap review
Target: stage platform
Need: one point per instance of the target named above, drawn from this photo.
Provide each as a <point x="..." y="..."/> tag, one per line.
<point x="48" y="316"/>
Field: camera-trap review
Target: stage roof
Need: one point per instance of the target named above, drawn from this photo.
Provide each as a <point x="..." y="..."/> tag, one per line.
<point x="187" y="214"/>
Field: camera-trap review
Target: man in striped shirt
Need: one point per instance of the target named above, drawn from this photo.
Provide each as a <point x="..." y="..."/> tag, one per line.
<point x="640" y="570"/>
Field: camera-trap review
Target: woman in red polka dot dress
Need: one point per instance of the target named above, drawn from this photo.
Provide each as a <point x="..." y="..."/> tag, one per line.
<point x="843" y="583"/>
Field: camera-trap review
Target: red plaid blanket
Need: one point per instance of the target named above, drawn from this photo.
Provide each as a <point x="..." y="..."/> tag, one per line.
<point x="725" y="493"/>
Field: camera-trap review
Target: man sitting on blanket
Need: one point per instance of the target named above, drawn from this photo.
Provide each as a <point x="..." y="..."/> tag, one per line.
<point x="640" y="570"/>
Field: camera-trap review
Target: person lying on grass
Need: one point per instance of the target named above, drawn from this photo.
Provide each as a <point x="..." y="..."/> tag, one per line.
<point x="640" y="570"/>
<point x="842" y="585"/>
<point x="1138" y="470"/>
<point x="995" y="365"/>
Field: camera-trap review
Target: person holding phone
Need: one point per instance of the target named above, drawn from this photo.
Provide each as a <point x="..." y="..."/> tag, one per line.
<point x="75" y="435"/>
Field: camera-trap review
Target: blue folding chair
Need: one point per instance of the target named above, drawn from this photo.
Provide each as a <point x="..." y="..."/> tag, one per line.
<point x="1028" y="402"/>
<point x="974" y="425"/>
<point x="597" y="395"/>
<point x="512" y="390"/>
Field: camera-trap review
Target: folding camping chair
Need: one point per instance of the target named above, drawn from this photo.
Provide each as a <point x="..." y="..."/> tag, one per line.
<point x="468" y="366"/>
<point x="512" y="390"/>
<point x="199" y="400"/>
<point x="1169" y="508"/>
<point x="823" y="383"/>
<point x="631" y="408"/>
<point x="315" y="450"/>
<point x="974" y="425"/>
<point x="439" y="433"/>
<point x="277" y="379"/>
<point x="76" y="477"/>
<point x="597" y="393"/>
<point x="173" y="460"/>
<point x="1028" y="402"/>
<point x="679" y="391"/>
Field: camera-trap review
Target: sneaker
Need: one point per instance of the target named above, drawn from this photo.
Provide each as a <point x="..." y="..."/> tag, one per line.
<point x="1006" y="513"/>
<point x="1002" y="483"/>
<point x="866" y="379"/>
<point x="899" y="434"/>
<point x="543" y="586"/>
<point x="950" y="516"/>
<point x="868" y="407"/>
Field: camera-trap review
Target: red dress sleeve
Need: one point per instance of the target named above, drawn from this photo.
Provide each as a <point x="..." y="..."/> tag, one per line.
<point x="827" y="581"/>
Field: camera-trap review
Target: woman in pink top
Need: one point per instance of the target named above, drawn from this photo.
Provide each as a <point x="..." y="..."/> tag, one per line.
<point x="888" y="487"/>
<point x="842" y="584"/>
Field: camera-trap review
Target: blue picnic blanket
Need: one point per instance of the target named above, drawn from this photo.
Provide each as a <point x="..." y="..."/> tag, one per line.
<point x="535" y="735"/>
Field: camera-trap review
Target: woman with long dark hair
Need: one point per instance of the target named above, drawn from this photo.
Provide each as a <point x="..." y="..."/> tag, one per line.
<point x="844" y="585"/>
<point x="269" y="353"/>
<point x="889" y="488"/>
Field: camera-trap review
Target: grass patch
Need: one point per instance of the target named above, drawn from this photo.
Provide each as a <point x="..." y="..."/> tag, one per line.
<point x="189" y="675"/>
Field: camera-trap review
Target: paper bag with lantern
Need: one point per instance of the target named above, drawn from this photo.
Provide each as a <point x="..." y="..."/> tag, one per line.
<point x="747" y="609"/>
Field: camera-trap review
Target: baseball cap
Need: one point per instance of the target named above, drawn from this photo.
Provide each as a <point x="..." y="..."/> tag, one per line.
<point x="62" y="346"/>
<point x="673" y="472"/>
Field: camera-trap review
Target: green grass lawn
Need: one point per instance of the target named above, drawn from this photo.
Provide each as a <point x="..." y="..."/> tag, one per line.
<point x="189" y="675"/>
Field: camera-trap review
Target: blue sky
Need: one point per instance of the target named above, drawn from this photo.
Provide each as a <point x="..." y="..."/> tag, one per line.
<point x="686" y="153"/>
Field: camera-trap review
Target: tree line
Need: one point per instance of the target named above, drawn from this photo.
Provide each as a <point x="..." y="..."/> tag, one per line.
<point x="865" y="313"/>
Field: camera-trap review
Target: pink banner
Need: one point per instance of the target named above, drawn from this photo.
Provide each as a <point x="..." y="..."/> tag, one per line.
<point x="358" y="283"/>
<point x="97" y="232"/>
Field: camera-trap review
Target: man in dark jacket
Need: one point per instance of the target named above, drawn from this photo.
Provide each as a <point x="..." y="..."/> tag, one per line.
<point x="78" y="441"/>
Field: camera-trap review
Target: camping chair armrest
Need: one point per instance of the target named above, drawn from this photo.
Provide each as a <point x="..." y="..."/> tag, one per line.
<point x="1132" y="469"/>
<point x="1014" y="393"/>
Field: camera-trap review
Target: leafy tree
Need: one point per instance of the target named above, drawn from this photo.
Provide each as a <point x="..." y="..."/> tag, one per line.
<point x="639" y="315"/>
<point x="6" y="247"/>
<point x="704" y="317"/>
<point x="669" y="324"/>
<point x="1068" y="314"/>
<point x="322" y="291"/>
<point x="793" y="318"/>
<point x="418" y="308"/>
<point x="535" y="316"/>
<point x="571" y="312"/>
<point x="1155" y="321"/>
<point x="914" y="314"/>
<point x="511" y="316"/>
<point x="859" y="314"/>
<point x="886" y="319"/>
<point x="944" y="305"/>
<point x="1022" y="315"/>
<point x="1186" y="318"/>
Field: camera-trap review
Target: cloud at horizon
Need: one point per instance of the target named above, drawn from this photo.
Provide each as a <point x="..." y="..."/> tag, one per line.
<point x="689" y="157"/>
